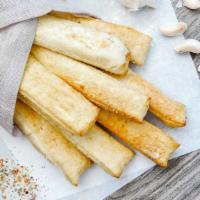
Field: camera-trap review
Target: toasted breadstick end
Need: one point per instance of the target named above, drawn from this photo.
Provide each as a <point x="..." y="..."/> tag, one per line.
<point x="104" y="150"/>
<point x="97" y="86"/>
<point x="138" y="43"/>
<point x="171" y="112"/>
<point x="51" y="143"/>
<point x="55" y="100"/>
<point x="82" y="43"/>
<point x="146" y="138"/>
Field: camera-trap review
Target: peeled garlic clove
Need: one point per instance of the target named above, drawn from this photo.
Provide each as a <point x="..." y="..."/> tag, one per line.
<point x="189" y="45"/>
<point x="137" y="4"/>
<point x="179" y="4"/>
<point x="192" y="4"/>
<point x="198" y="68"/>
<point x="134" y="5"/>
<point x="173" y="29"/>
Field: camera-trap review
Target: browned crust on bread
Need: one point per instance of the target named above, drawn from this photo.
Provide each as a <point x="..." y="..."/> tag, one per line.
<point x="101" y="148"/>
<point x="94" y="84"/>
<point x="51" y="143"/>
<point x="146" y="138"/>
<point x="137" y="42"/>
<point x="171" y="112"/>
<point x="56" y="101"/>
<point x="100" y="49"/>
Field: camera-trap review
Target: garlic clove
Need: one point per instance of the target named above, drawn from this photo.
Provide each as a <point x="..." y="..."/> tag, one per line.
<point x="198" y="68"/>
<point x="192" y="4"/>
<point x="134" y="5"/>
<point x="179" y="4"/>
<point x="173" y="29"/>
<point x="189" y="45"/>
<point x="137" y="4"/>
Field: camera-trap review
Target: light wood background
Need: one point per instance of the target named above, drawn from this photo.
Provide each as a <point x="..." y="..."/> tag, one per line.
<point x="181" y="181"/>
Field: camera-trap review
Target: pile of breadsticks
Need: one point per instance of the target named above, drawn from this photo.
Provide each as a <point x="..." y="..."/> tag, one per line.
<point x="77" y="81"/>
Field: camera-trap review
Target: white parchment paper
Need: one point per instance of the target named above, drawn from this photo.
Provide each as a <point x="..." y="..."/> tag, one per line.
<point x="173" y="74"/>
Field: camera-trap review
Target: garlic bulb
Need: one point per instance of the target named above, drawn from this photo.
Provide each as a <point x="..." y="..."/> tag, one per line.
<point x="137" y="4"/>
<point x="173" y="29"/>
<point x="192" y="4"/>
<point x="189" y="45"/>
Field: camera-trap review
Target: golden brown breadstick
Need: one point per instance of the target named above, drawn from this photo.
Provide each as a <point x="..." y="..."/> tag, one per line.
<point x="100" y="147"/>
<point x="97" y="145"/>
<point x="145" y="137"/>
<point x="97" y="86"/>
<point x="82" y="43"/>
<point x="138" y="43"/>
<point x="169" y="111"/>
<point x="51" y="143"/>
<point x="55" y="100"/>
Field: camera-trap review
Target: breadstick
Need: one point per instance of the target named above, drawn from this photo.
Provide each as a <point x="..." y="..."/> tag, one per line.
<point x="169" y="111"/>
<point x="55" y="100"/>
<point x="104" y="150"/>
<point x="85" y="44"/>
<point x="97" y="86"/>
<point x="145" y="137"/>
<point x="51" y="143"/>
<point x="137" y="42"/>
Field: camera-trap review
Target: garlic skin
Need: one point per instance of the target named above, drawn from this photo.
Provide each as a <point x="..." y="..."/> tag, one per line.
<point x="173" y="29"/>
<point x="192" y="4"/>
<point x="189" y="45"/>
<point x="137" y="4"/>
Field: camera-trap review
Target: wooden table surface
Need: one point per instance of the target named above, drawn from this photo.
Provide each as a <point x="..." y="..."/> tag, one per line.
<point x="181" y="181"/>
